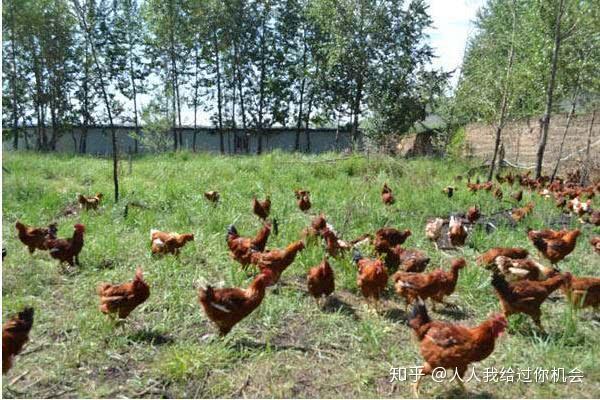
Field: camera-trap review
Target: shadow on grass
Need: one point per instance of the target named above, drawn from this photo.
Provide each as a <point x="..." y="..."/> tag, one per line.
<point x="456" y="393"/>
<point x="334" y="304"/>
<point x="396" y="315"/>
<point x="454" y="312"/>
<point x="150" y="336"/>
<point x="249" y="344"/>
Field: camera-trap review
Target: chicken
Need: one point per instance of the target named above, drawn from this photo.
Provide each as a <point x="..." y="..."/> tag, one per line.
<point x="261" y="208"/>
<point x="595" y="242"/>
<point x="457" y="232"/>
<point x="303" y="199"/>
<point x="15" y="333"/>
<point x="433" y="229"/>
<point x="409" y="260"/>
<point x="124" y="298"/>
<point x="213" y="196"/>
<point x="317" y="224"/>
<point x="519" y="213"/>
<point x="473" y="214"/>
<point x="168" y="242"/>
<point x="578" y="207"/>
<point x="320" y="280"/>
<point x="372" y="277"/>
<point x="554" y="248"/>
<point x="498" y="193"/>
<point x="276" y="261"/>
<point x="435" y="285"/>
<point x="91" y="202"/>
<point x="35" y="238"/>
<point x="489" y="257"/>
<point x="518" y="196"/>
<point x="241" y="248"/>
<point x="526" y="296"/>
<point x="594" y="219"/>
<point x="387" y="238"/>
<point x="452" y="346"/>
<point x="386" y="195"/>
<point x="228" y="306"/>
<point x="518" y="270"/>
<point x="449" y="191"/>
<point x="335" y="246"/>
<point x="583" y="292"/>
<point x="67" y="250"/>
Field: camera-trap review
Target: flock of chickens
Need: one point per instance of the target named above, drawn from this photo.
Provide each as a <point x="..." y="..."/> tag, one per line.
<point x="520" y="283"/>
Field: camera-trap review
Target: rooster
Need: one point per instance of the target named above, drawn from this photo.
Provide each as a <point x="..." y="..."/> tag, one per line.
<point x="320" y="281"/>
<point x="241" y="248"/>
<point x="35" y="238"/>
<point x="67" y="250"/>
<point x="228" y="306"/>
<point x="452" y="346"/>
<point x="15" y="333"/>
<point x="386" y="195"/>
<point x="123" y="299"/>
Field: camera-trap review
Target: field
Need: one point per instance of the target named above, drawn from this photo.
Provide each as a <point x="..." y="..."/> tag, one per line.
<point x="288" y="347"/>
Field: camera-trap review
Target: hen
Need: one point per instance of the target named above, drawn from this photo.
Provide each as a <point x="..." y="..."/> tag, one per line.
<point x="473" y="214"/>
<point x="241" y="248"/>
<point x="91" y="202"/>
<point x="554" y="245"/>
<point x="35" y="238"/>
<point x="261" y="208"/>
<point x="526" y="296"/>
<point x="123" y="299"/>
<point x="518" y="196"/>
<point x="525" y="269"/>
<point x="228" y="306"/>
<point x="168" y="242"/>
<point x="320" y="280"/>
<point x="433" y="229"/>
<point x="583" y="292"/>
<point x="15" y="333"/>
<point x="595" y="242"/>
<point x="386" y="195"/>
<point x="372" y="277"/>
<point x="409" y="260"/>
<point x="457" y="232"/>
<point x="449" y="191"/>
<point x="435" y="285"/>
<point x="387" y="238"/>
<point x="303" y="198"/>
<point x="490" y="256"/>
<point x="452" y="346"/>
<point x="213" y="196"/>
<point x="519" y="213"/>
<point x="67" y="250"/>
<point x="277" y="260"/>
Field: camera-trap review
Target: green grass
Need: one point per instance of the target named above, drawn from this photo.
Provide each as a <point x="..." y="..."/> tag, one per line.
<point x="288" y="347"/>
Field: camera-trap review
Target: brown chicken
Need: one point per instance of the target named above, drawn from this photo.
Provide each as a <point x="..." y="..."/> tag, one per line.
<point x="489" y="257"/>
<point x="213" y="196"/>
<point x="228" y="306"/>
<point x="407" y="259"/>
<point x="320" y="280"/>
<point x="317" y="224"/>
<point x="241" y="248"/>
<point x="387" y="238"/>
<point x="457" y="232"/>
<point x="519" y="213"/>
<point x="433" y="229"/>
<point x="372" y="277"/>
<point x="124" y="298"/>
<point x="15" y="333"/>
<point x="498" y="193"/>
<point x="526" y="296"/>
<point x="452" y="346"/>
<point x="473" y="214"/>
<point x="554" y="248"/>
<point x="583" y="292"/>
<point x="91" y="202"/>
<point x="518" y="196"/>
<point x="35" y="238"/>
<point x="518" y="270"/>
<point x="449" y="191"/>
<point x="168" y="242"/>
<point x="435" y="285"/>
<point x="261" y="208"/>
<point x="277" y="260"/>
<point x="594" y="219"/>
<point x="67" y="250"/>
<point x="595" y="242"/>
<point x="303" y="199"/>
<point x="386" y="195"/>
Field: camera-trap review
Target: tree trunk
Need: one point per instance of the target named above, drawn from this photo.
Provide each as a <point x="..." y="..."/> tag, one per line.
<point x="241" y="94"/>
<point x="134" y="93"/>
<point x="13" y="80"/>
<point x="356" y="108"/>
<point x="301" y="100"/>
<point x="261" y="97"/>
<point x="545" y="121"/>
<point x="588" y="154"/>
<point x="196" y="84"/>
<point x="219" y="94"/>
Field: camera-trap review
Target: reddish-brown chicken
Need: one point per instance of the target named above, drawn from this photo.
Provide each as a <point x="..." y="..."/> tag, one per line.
<point x="35" y="238"/>
<point x="435" y="285"/>
<point x="67" y="250"/>
<point x="320" y="280"/>
<point x="526" y="296"/>
<point x="228" y="306"/>
<point x="518" y="270"/>
<point x="124" y="298"/>
<point x="595" y="242"/>
<point x="15" y="333"/>
<point x="261" y="208"/>
<point x="168" y="242"/>
<point x="488" y="258"/>
<point x="583" y="292"/>
<point x="553" y="245"/>
<point x="241" y="248"/>
<point x="277" y="260"/>
<point x="407" y="259"/>
<point x="519" y="213"/>
<point x="386" y="195"/>
<point x="387" y="238"/>
<point x="473" y="214"/>
<point x="452" y="346"/>
<point x="457" y="232"/>
<point x="372" y="277"/>
<point x="518" y="196"/>
<point x="303" y="199"/>
<point x="89" y="202"/>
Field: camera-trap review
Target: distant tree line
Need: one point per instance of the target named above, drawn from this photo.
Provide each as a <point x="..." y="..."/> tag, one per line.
<point x="248" y="64"/>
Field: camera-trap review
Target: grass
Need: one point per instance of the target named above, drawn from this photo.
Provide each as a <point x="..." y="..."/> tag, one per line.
<point x="288" y="347"/>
